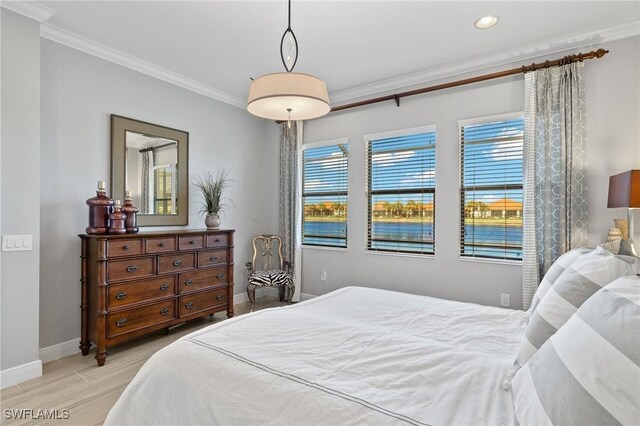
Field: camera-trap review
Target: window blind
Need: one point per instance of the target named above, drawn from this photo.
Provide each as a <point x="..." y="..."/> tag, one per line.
<point x="401" y="193"/>
<point x="491" y="189"/>
<point x="162" y="188"/>
<point x="324" y="195"/>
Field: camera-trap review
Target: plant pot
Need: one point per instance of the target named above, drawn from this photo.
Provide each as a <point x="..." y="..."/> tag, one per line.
<point x="212" y="221"/>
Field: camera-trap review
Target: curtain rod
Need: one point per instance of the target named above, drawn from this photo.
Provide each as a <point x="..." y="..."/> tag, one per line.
<point x="523" y="69"/>
<point x="152" y="148"/>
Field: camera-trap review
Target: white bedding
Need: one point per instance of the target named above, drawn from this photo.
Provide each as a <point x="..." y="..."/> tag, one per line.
<point x="354" y="356"/>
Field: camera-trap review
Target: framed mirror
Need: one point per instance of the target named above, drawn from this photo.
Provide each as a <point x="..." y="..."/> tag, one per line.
<point x="152" y="162"/>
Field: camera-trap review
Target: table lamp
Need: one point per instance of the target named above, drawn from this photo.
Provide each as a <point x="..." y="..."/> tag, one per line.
<point x="624" y="191"/>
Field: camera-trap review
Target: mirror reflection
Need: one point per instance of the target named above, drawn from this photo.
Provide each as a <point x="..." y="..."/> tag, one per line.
<point x="151" y="173"/>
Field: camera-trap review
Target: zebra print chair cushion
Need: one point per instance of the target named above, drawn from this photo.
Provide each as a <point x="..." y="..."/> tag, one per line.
<point x="270" y="278"/>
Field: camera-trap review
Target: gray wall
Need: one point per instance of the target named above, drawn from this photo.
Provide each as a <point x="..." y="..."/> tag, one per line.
<point x="20" y="187"/>
<point x="79" y="92"/>
<point x="613" y="143"/>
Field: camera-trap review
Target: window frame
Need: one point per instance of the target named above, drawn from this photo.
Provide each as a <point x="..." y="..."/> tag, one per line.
<point x="430" y="128"/>
<point x="511" y="116"/>
<point x="322" y="144"/>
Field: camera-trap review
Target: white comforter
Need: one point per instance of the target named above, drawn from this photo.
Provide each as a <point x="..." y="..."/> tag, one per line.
<point x="354" y="356"/>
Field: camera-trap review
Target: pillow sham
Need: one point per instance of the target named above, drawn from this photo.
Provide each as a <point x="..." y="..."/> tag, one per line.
<point x="557" y="268"/>
<point x="577" y="283"/>
<point x="588" y="373"/>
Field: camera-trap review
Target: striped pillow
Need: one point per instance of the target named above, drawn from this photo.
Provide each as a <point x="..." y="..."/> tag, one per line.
<point x="553" y="273"/>
<point x="588" y="373"/>
<point x="577" y="283"/>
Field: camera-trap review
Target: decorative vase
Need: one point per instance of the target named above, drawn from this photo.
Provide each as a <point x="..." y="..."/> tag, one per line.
<point x="99" y="209"/>
<point x="116" y="220"/>
<point x="623" y="226"/>
<point x="131" y="222"/>
<point x="212" y="221"/>
<point x="614" y="234"/>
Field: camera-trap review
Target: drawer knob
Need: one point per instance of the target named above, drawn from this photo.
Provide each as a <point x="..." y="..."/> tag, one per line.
<point x="213" y="257"/>
<point x="177" y="262"/>
<point x="220" y="276"/>
<point x="217" y="240"/>
<point x="132" y="268"/>
<point x="164" y="311"/>
<point x="188" y="305"/>
<point x="164" y="287"/>
<point x="121" y="295"/>
<point x="121" y="322"/>
<point x="125" y="247"/>
<point x="191" y="242"/>
<point x="220" y="297"/>
<point x="188" y="282"/>
<point x="161" y="244"/>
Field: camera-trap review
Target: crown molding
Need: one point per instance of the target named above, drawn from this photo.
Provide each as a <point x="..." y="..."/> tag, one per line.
<point x="549" y="47"/>
<point x="30" y="9"/>
<point x="101" y="51"/>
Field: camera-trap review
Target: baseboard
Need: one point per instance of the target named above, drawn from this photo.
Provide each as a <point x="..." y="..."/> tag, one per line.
<point x="306" y="296"/>
<point x="60" y="350"/>
<point x="240" y="298"/>
<point x="21" y="373"/>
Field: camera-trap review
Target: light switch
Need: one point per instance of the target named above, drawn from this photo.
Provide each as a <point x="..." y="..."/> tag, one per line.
<point x="17" y="242"/>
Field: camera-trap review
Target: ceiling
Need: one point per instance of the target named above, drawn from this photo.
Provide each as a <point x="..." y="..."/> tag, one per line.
<point x="357" y="47"/>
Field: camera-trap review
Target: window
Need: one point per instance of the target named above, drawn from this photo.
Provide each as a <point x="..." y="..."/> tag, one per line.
<point x="401" y="191"/>
<point x="163" y="190"/>
<point x="324" y="194"/>
<point x="491" y="188"/>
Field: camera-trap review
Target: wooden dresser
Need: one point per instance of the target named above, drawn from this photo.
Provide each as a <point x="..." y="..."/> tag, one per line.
<point x="135" y="284"/>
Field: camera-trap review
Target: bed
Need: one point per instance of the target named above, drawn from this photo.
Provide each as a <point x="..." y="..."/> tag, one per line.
<point x="353" y="356"/>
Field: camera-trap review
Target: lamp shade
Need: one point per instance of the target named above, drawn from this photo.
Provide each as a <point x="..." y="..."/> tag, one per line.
<point x="272" y="95"/>
<point x="624" y="190"/>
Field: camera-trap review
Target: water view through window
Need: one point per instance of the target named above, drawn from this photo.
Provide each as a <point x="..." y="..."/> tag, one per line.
<point x="401" y="193"/>
<point x="491" y="189"/>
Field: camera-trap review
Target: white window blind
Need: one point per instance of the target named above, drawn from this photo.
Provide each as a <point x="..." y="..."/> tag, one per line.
<point x="401" y="193"/>
<point x="491" y="189"/>
<point x="324" y="194"/>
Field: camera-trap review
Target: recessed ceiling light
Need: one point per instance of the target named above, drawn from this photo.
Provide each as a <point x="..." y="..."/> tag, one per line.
<point x="486" y="22"/>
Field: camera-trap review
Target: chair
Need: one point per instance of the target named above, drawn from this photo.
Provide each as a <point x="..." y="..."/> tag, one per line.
<point x="262" y="273"/>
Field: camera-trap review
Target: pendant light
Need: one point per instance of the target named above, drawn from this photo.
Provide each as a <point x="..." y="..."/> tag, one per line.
<point x="288" y="95"/>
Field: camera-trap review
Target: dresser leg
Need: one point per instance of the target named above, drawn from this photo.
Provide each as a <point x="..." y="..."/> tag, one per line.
<point x="84" y="347"/>
<point x="101" y="357"/>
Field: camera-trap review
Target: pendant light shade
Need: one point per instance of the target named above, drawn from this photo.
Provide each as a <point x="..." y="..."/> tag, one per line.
<point x="288" y="95"/>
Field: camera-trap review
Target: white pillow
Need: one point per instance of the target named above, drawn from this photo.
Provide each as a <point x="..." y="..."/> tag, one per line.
<point x="557" y="268"/>
<point x="572" y="288"/>
<point x="588" y="373"/>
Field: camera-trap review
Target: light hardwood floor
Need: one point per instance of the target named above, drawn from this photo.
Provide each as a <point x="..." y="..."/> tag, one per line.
<point x="75" y="383"/>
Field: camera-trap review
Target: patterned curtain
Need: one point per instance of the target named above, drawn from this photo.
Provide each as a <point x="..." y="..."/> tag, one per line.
<point x="555" y="182"/>
<point x="146" y="205"/>
<point x="291" y="199"/>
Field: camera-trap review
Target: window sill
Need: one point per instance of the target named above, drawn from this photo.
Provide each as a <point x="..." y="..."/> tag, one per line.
<point x="411" y="255"/>
<point x="493" y="261"/>
<point x="342" y="249"/>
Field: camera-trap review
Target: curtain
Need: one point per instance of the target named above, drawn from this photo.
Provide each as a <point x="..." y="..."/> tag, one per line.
<point x="146" y="204"/>
<point x="291" y="199"/>
<point x="555" y="183"/>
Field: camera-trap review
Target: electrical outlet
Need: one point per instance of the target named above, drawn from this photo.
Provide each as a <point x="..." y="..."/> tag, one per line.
<point x="504" y="300"/>
<point x="323" y="275"/>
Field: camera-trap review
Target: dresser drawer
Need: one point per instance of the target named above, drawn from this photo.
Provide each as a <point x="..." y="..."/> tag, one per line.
<point x="196" y="280"/>
<point x="161" y="245"/>
<point x="192" y="304"/>
<point x="176" y="262"/>
<point x="140" y="291"/>
<point x="124" y="247"/>
<point x="137" y="318"/>
<point x="211" y="257"/>
<point x="189" y="242"/>
<point x="219" y="240"/>
<point x="130" y="268"/>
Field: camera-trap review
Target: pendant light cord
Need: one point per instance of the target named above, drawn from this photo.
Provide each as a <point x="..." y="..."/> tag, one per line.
<point x="289" y="26"/>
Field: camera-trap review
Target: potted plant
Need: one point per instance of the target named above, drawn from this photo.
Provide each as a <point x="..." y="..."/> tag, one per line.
<point x="211" y="189"/>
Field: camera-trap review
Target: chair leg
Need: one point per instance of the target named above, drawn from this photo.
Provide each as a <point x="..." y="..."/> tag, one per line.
<point x="292" y="290"/>
<point x="251" y="293"/>
<point x="281" y="293"/>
